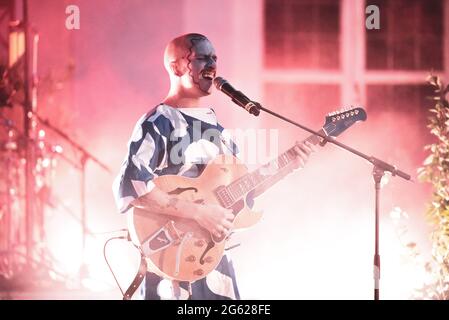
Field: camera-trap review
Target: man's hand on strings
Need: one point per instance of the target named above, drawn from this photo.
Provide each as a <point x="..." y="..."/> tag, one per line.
<point x="303" y="150"/>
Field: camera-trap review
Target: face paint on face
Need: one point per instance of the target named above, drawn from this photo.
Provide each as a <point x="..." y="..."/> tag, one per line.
<point x="202" y="64"/>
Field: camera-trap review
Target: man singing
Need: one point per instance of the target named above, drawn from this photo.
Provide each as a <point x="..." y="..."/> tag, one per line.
<point x="169" y="140"/>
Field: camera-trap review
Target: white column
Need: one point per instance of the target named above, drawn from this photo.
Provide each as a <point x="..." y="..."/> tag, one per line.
<point x="248" y="45"/>
<point x="352" y="51"/>
<point x="213" y="18"/>
<point x="446" y="40"/>
<point x="360" y="52"/>
<point x="235" y="27"/>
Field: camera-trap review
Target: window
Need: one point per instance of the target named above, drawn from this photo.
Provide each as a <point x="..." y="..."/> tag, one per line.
<point x="403" y="106"/>
<point x="400" y="98"/>
<point x="302" y="34"/>
<point x="304" y="41"/>
<point x="296" y="101"/>
<point x="410" y="36"/>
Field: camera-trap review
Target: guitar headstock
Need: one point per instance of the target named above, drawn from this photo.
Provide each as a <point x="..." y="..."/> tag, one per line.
<point x="337" y="122"/>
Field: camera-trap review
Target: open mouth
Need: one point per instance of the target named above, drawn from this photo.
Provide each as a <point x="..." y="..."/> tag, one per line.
<point x="208" y="74"/>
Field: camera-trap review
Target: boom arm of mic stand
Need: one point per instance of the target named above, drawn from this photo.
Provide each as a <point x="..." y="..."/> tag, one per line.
<point x="86" y="154"/>
<point x="379" y="168"/>
<point x="390" y="168"/>
<point x="376" y="162"/>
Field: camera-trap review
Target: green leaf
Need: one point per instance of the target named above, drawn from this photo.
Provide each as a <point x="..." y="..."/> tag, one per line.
<point x="428" y="160"/>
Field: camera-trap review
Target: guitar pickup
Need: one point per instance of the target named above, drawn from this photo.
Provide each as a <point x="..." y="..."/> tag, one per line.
<point x="161" y="239"/>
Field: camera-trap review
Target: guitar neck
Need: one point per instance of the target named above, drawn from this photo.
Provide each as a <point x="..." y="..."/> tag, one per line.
<point x="240" y="187"/>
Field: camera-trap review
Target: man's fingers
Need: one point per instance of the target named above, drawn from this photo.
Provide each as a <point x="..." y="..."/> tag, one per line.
<point x="220" y="230"/>
<point x="302" y="151"/>
<point x="305" y="148"/>
<point x="226" y="224"/>
<point x="302" y="162"/>
<point x="230" y="216"/>
<point x="311" y="146"/>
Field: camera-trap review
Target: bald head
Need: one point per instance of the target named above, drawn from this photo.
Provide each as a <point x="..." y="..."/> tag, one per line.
<point x="191" y="63"/>
<point x="180" y="47"/>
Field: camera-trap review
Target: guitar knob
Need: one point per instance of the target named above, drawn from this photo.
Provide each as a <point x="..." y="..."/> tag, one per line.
<point x="191" y="258"/>
<point x="198" y="272"/>
<point x="208" y="259"/>
<point x="199" y="243"/>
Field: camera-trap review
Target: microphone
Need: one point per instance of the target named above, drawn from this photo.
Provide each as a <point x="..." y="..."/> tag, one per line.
<point x="237" y="96"/>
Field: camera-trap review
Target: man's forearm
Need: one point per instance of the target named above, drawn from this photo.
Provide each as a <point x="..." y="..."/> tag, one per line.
<point x="158" y="201"/>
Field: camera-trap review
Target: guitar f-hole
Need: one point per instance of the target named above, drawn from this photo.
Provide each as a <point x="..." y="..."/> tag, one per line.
<point x="210" y="245"/>
<point x="181" y="190"/>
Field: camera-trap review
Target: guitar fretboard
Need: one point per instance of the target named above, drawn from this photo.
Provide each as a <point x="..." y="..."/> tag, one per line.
<point x="240" y="187"/>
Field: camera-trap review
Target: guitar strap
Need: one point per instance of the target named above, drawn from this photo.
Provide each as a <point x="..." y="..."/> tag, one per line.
<point x="141" y="272"/>
<point x="137" y="279"/>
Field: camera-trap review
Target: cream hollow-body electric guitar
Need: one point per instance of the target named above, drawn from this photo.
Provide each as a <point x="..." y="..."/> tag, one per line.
<point x="180" y="249"/>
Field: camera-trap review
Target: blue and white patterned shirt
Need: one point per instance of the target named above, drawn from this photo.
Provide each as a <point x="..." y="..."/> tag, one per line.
<point x="169" y="140"/>
<point x="178" y="141"/>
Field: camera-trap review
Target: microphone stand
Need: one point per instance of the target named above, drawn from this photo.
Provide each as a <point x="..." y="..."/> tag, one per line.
<point x="379" y="169"/>
<point x="85" y="156"/>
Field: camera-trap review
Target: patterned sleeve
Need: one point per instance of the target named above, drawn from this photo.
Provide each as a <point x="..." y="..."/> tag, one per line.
<point x="146" y="149"/>
<point x="227" y="140"/>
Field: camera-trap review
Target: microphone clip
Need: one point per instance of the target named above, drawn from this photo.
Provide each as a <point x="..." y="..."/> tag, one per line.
<point x="253" y="107"/>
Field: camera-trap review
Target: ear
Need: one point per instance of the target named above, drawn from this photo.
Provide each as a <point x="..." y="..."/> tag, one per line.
<point x="177" y="68"/>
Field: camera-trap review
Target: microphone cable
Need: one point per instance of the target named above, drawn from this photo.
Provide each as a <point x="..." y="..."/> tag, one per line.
<point x="106" y="259"/>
